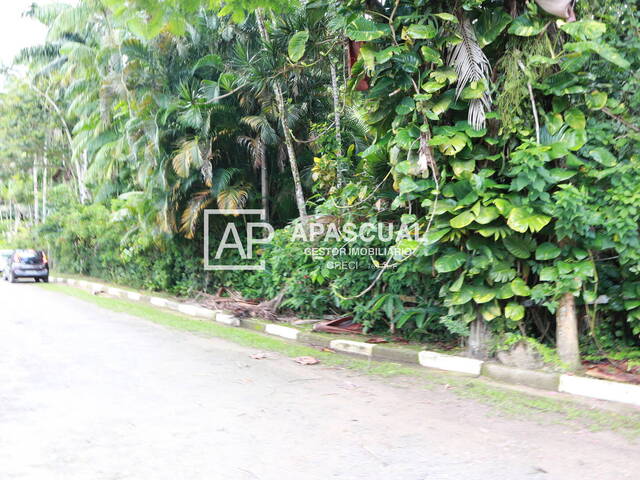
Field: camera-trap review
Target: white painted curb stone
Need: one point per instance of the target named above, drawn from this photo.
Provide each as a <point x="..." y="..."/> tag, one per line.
<point x="205" y="313"/>
<point x="196" y="311"/>
<point x="187" y="309"/>
<point x="450" y="363"/>
<point x="600" y="389"/>
<point x="158" y="302"/>
<point x="116" y="292"/>
<point x="350" y="346"/>
<point x="134" y="296"/>
<point x="227" y="319"/>
<point x="281" y="331"/>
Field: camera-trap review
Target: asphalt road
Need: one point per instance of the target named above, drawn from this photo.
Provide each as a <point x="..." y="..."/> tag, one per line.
<point x="89" y="394"/>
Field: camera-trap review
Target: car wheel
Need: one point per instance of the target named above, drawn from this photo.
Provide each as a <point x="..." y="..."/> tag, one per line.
<point x="36" y="279"/>
<point x="45" y="279"/>
<point x="12" y="278"/>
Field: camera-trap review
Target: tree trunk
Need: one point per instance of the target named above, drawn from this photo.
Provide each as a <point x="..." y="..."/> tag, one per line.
<point x="35" y="192"/>
<point x="340" y="167"/>
<point x="264" y="182"/>
<point x="567" y="332"/>
<point x="44" y="188"/>
<point x="288" y="140"/>
<point x="82" y="168"/>
<point x="293" y="161"/>
<point x="479" y="339"/>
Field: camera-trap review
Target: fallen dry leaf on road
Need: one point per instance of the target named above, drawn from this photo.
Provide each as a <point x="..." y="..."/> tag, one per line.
<point x="259" y="356"/>
<point x="306" y="360"/>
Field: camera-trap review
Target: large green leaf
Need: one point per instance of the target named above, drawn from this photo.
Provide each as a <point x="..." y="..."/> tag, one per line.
<point x="450" y="145"/>
<point x="584" y="29"/>
<point x="504" y="291"/>
<point x="459" y="298"/>
<point x="430" y="55"/>
<point x="297" y="45"/>
<point x="421" y="31"/>
<point x="605" y="50"/>
<point x="460" y="167"/>
<point x="548" y="274"/>
<point x="596" y="100"/>
<point x="547" y="251"/>
<point x="482" y="294"/>
<point x="514" y="311"/>
<point x="519" y="287"/>
<point x="487" y="215"/>
<point x="521" y="220"/>
<point x="575" y="139"/>
<point x="462" y="220"/>
<point x="490" y="311"/>
<point x="451" y="262"/>
<point x="457" y="285"/>
<point x="603" y="156"/>
<point x="502" y="272"/>
<point x="490" y="24"/>
<point x="523" y="26"/>
<point x="446" y="16"/>
<point x="363" y="30"/>
<point x="575" y="119"/>
<point x="407" y="185"/>
<point x="368" y="56"/>
<point x="519" y="247"/>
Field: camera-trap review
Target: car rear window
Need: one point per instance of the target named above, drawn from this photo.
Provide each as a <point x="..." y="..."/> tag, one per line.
<point x="29" y="257"/>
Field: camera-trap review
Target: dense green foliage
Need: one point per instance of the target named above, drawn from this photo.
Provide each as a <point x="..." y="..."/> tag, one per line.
<point x="510" y="143"/>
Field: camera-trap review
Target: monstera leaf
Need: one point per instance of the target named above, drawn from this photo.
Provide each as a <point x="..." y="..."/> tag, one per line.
<point x="518" y="246"/>
<point x="450" y="145"/>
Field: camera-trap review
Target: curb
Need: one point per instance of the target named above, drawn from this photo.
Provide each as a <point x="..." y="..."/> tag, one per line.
<point x="520" y="376"/>
<point x="571" y="384"/>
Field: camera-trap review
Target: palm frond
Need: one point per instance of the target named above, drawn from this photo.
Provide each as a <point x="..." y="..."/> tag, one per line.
<point x="221" y="179"/>
<point x="191" y="214"/>
<point x="471" y="65"/>
<point x="256" y="148"/>
<point x="233" y="197"/>
<point x="187" y="156"/>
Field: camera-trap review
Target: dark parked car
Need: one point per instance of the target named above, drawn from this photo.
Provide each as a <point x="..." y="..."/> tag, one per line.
<point x="27" y="264"/>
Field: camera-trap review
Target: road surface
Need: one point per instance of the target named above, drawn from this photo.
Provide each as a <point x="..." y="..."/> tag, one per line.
<point x="89" y="394"/>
